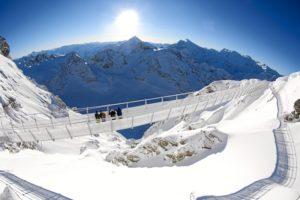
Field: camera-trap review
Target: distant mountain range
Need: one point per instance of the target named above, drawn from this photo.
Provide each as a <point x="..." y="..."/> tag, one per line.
<point x="100" y="73"/>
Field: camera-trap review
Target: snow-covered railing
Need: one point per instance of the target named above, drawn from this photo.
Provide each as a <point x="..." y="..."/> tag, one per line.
<point x="26" y="190"/>
<point x="147" y="111"/>
<point x="134" y="103"/>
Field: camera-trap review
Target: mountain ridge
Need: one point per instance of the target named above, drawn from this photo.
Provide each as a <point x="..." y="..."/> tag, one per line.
<point x="109" y="72"/>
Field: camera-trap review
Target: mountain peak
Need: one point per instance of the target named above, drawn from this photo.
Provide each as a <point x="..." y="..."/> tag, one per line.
<point x="72" y="54"/>
<point x="134" y="44"/>
<point x="185" y="44"/>
<point x="73" y="57"/>
<point x="135" y="39"/>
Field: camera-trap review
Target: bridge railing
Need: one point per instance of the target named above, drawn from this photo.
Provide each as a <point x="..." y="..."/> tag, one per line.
<point x="39" y="120"/>
<point x="75" y="125"/>
<point x="134" y="103"/>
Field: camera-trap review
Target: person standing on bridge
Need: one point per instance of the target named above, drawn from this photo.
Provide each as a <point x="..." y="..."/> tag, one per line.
<point x="119" y="113"/>
<point x="112" y="114"/>
<point x="102" y="116"/>
<point x="97" y="116"/>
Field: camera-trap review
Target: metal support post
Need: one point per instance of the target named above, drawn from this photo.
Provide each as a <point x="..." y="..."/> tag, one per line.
<point x="88" y="124"/>
<point x="169" y="113"/>
<point x="196" y="107"/>
<point x="68" y="131"/>
<point x="183" y="111"/>
<point x="34" y="138"/>
<point x="52" y="121"/>
<point x="132" y="122"/>
<point x="70" y="120"/>
<point x="152" y="118"/>
<point x="36" y="123"/>
<point x="50" y="134"/>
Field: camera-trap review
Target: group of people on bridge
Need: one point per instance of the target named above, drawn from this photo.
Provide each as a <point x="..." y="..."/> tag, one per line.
<point x="100" y="116"/>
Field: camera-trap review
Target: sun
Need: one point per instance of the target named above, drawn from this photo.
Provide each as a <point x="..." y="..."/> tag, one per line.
<point x="127" y="23"/>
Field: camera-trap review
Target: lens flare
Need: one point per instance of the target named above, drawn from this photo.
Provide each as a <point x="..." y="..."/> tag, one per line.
<point x="127" y="23"/>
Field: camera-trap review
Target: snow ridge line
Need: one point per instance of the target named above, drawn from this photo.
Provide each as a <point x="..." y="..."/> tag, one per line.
<point x="28" y="190"/>
<point x="286" y="164"/>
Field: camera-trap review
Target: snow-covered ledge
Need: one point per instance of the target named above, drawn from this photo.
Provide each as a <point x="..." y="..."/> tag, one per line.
<point x="180" y="146"/>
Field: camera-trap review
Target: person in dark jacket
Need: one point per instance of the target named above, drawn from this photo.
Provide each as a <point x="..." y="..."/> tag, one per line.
<point x="119" y="113"/>
<point x="113" y="114"/>
<point x="97" y="116"/>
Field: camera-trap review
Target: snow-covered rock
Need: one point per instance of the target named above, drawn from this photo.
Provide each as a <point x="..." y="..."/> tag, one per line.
<point x="179" y="147"/>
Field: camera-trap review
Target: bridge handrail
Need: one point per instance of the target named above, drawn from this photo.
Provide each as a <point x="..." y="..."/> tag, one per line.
<point x="151" y="99"/>
<point x="81" y="118"/>
<point x="40" y="127"/>
<point x="131" y="102"/>
<point x="163" y="98"/>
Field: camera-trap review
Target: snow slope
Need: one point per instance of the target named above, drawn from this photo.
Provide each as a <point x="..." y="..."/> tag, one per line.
<point x="21" y="97"/>
<point x="249" y="155"/>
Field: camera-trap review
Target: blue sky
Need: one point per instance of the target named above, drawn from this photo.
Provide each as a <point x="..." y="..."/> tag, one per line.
<point x="268" y="31"/>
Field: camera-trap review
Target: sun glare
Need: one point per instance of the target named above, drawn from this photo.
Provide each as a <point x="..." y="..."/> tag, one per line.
<point x="127" y="23"/>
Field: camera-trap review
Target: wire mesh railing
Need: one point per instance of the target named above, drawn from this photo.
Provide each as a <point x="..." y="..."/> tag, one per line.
<point x="26" y="190"/>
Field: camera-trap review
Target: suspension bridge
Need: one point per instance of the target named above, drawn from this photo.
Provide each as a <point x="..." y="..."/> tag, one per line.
<point x="82" y="123"/>
<point x="135" y="113"/>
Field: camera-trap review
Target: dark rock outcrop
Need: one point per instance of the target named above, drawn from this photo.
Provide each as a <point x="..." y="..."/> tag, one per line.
<point x="4" y="47"/>
<point x="297" y="106"/>
<point x="294" y="116"/>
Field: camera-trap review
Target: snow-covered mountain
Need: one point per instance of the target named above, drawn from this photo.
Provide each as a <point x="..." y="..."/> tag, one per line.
<point x="21" y="97"/>
<point x="99" y="73"/>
